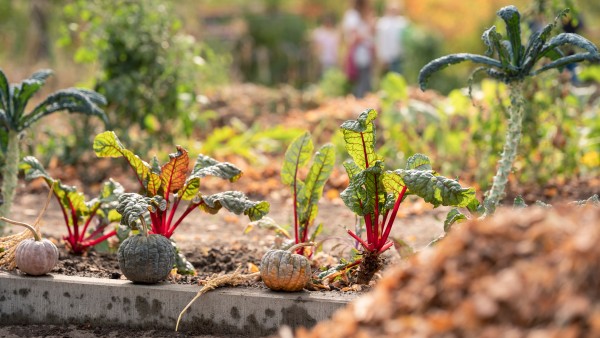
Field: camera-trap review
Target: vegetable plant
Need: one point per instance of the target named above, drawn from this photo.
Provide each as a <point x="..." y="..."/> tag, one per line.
<point x="306" y="194"/>
<point x="509" y="61"/>
<point x="77" y="213"/>
<point x="164" y="189"/>
<point x="14" y="120"/>
<point x="375" y="194"/>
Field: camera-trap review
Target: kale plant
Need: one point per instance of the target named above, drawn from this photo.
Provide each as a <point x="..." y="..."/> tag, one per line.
<point x="509" y="61"/>
<point x="14" y="120"/>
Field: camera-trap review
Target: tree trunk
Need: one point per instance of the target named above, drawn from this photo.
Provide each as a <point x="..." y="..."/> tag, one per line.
<point x="509" y="153"/>
<point x="9" y="175"/>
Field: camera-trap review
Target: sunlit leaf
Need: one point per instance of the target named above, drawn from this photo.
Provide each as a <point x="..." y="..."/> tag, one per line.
<point x="297" y="155"/>
<point x="318" y="174"/>
<point x="359" y="137"/>
<point x="418" y="162"/>
<point x="173" y="173"/>
<point x="107" y="144"/>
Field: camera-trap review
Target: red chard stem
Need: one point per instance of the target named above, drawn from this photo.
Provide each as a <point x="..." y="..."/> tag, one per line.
<point x="390" y="222"/>
<point x="365" y="245"/>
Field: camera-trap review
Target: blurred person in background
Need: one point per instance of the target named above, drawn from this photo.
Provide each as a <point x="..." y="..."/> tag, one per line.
<point x="388" y="37"/>
<point x="326" y="42"/>
<point x="358" y="32"/>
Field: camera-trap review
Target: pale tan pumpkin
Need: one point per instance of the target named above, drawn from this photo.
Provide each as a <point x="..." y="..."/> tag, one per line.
<point x="283" y="270"/>
<point x="34" y="256"/>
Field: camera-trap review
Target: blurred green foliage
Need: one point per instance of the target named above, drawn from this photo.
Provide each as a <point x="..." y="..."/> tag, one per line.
<point x="279" y="50"/>
<point x="561" y="139"/>
<point x="334" y="83"/>
<point x="150" y="72"/>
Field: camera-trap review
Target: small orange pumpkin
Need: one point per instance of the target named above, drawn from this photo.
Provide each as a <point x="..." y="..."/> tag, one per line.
<point x="283" y="270"/>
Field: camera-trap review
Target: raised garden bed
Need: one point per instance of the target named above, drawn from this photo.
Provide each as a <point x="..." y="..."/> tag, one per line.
<point x="248" y="311"/>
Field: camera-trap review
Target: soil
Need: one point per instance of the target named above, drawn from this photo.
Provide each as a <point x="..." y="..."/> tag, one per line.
<point x="218" y="244"/>
<point x="89" y="331"/>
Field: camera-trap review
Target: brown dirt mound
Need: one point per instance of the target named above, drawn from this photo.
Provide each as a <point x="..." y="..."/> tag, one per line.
<point x="533" y="273"/>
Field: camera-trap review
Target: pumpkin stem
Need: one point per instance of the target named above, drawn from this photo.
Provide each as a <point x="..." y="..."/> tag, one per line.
<point x="300" y="245"/>
<point x="144" y="226"/>
<point x="36" y="235"/>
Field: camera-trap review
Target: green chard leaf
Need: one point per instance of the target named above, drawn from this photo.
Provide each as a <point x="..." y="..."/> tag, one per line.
<point x="437" y="190"/>
<point x="68" y="196"/>
<point x="72" y="201"/>
<point x="207" y="166"/>
<point x="235" y="202"/>
<point x="359" y="137"/>
<point x="319" y="172"/>
<point x="111" y="190"/>
<point x="453" y="217"/>
<point x="360" y="195"/>
<point x="418" y="162"/>
<point x="351" y="168"/>
<point x="190" y="189"/>
<point x="297" y="155"/>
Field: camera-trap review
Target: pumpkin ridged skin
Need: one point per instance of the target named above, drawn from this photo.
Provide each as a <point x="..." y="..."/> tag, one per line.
<point x="36" y="258"/>
<point x="146" y="259"/>
<point x="282" y="270"/>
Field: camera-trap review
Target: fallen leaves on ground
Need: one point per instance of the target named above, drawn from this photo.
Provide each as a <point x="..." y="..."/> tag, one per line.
<point x="531" y="273"/>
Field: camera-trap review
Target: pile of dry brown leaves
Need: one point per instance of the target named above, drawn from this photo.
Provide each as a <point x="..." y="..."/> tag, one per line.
<point x="531" y="273"/>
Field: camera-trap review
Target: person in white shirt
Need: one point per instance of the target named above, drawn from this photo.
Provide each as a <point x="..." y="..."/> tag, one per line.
<point x="326" y="41"/>
<point x="358" y="32"/>
<point x="388" y="37"/>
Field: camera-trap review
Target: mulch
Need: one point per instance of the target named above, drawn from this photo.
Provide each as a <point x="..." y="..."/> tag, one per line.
<point x="530" y="273"/>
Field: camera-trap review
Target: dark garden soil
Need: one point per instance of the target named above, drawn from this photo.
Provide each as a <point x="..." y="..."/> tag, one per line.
<point x="89" y="331"/>
<point x="217" y="244"/>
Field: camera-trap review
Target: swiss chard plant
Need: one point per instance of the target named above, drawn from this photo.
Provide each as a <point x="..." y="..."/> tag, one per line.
<point x="306" y="193"/>
<point x="509" y="61"/>
<point x="164" y="189"/>
<point x="375" y="194"/>
<point x="87" y="222"/>
<point x="14" y="120"/>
